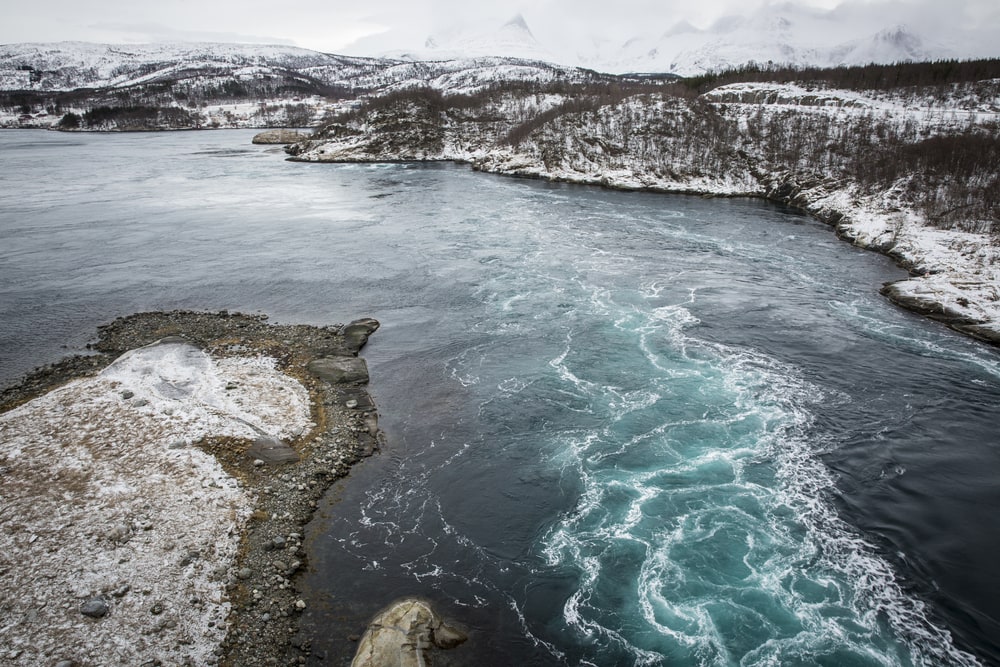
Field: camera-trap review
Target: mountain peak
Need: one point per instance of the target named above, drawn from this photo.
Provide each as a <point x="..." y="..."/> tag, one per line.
<point x="518" y="23"/>
<point x="512" y="39"/>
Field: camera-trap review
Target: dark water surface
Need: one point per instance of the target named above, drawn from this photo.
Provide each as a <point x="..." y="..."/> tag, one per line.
<point x="624" y="429"/>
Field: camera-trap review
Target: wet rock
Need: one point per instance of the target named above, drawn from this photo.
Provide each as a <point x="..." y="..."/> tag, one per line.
<point x="355" y="397"/>
<point x="340" y="370"/>
<point x="95" y="608"/>
<point x="127" y="394"/>
<point x="356" y="333"/>
<point x="404" y="634"/>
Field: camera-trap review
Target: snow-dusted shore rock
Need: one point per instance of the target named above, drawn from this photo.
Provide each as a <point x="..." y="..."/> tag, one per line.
<point x="117" y="534"/>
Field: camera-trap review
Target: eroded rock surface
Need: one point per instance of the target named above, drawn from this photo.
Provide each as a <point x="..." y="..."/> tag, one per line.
<point x="405" y="634"/>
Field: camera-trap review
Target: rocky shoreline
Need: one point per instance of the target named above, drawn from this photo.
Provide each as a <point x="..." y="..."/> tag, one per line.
<point x="284" y="478"/>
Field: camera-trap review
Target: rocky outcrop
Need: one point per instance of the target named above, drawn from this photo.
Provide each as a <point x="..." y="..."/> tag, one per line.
<point x="192" y="429"/>
<point x="404" y="634"/>
<point x="279" y="137"/>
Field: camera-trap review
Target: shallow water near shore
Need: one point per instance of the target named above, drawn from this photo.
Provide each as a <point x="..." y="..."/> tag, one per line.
<point x="622" y="428"/>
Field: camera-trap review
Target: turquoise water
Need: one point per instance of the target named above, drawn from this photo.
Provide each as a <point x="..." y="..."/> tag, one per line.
<point x="623" y="429"/>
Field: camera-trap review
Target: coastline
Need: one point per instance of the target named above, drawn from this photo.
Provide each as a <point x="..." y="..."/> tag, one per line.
<point x="226" y="595"/>
<point x="954" y="276"/>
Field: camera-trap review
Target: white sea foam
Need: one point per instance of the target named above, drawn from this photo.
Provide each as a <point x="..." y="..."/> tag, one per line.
<point x="731" y="517"/>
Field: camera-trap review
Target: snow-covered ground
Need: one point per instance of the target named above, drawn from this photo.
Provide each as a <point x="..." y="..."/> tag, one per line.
<point x="108" y="506"/>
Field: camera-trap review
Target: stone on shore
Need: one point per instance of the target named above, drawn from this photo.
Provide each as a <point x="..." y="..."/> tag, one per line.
<point x="356" y="333"/>
<point x="279" y="137"/>
<point x="95" y="608"/>
<point x="340" y="370"/>
<point x="403" y="634"/>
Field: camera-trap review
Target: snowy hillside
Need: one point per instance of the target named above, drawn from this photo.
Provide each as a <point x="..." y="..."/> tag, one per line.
<point x="71" y="65"/>
<point x="222" y="85"/>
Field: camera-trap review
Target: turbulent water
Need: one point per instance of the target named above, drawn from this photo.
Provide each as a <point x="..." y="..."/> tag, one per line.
<point x="623" y="429"/>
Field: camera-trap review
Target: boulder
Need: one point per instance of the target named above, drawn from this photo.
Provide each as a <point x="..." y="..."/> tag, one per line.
<point x="356" y="333"/>
<point x="340" y="370"/>
<point x="404" y="634"/>
<point x="279" y="137"/>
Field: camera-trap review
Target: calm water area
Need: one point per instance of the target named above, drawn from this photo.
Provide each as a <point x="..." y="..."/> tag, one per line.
<point x="622" y="428"/>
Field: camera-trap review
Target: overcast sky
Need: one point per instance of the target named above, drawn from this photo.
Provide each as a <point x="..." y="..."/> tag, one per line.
<point x="371" y="27"/>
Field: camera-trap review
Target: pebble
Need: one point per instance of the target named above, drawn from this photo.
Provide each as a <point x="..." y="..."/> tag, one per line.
<point x="127" y="394"/>
<point x="280" y="566"/>
<point x="142" y="402"/>
<point x="65" y="663"/>
<point x="119" y="533"/>
<point x="258" y="463"/>
<point x="245" y="573"/>
<point x="300" y="604"/>
<point x="351" y="403"/>
<point x="94" y="608"/>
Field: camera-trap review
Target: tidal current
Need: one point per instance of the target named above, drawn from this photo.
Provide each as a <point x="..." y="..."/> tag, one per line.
<point x="622" y="428"/>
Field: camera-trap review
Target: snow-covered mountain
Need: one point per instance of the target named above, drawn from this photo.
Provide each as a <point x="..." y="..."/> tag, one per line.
<point x="771" y="38"/>
<point x="512" y="39"/>
<point x="780" y="34"/>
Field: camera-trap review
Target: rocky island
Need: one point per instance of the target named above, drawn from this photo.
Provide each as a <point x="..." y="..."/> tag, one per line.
<point x="154" y="492"/>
